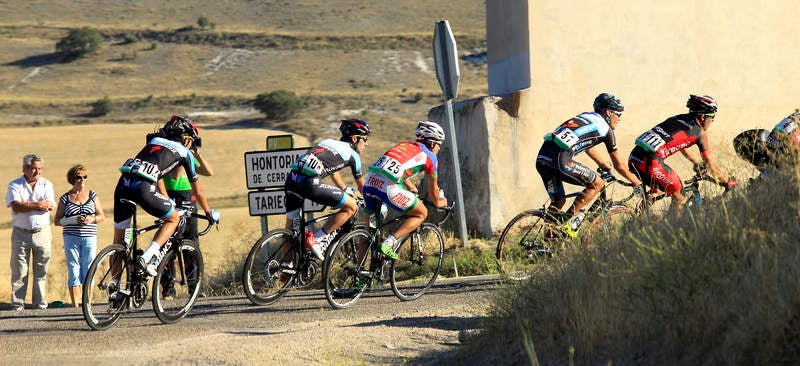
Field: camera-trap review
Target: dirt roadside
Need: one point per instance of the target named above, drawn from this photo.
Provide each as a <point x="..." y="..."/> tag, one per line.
<point x="299" y="329"/>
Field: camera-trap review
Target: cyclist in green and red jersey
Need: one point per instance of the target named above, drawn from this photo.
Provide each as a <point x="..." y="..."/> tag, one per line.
<point x="388" y="181"/>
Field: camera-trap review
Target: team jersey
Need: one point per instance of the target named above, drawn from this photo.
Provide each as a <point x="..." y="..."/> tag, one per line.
<point x="327" y="157"/>
<point x="158" y="158"/>
<point x="786" y="127"/>
<point x="674" y="134"/>
<point x="582" y="132"/>
<point x="405" y="160"/>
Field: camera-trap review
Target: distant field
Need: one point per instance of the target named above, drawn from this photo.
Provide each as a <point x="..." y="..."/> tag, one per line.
<point x="102" y="148"/>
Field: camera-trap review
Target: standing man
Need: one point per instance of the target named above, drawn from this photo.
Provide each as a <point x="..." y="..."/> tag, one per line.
<point x="31" y="198"/>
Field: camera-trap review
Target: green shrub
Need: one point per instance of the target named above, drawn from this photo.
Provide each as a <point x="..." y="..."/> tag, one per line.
<point x="130" y="38"/>
<point x="101" y="107"/>
<point x="79" y="42"/>
<point x="204" y="23"/>
<point x="279" y="105"/>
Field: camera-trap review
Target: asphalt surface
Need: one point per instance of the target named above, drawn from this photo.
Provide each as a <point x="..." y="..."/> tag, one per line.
<point x="229" y="330"/>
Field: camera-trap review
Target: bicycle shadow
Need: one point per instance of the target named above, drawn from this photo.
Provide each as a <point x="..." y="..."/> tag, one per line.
<point x="451" y="323"/>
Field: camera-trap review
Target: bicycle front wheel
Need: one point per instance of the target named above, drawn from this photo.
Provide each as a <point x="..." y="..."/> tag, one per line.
<point x="102" y="302"/>
<point x="419" y="259"/>
<point x="267" y="276"/>
<point x="178" y="282"/>
<point x="613" y="222"/>
<point x="527" y="240"/>
<point x="347" y="276"/>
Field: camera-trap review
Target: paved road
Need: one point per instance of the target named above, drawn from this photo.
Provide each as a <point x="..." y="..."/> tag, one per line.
<point x="300" y="328"/>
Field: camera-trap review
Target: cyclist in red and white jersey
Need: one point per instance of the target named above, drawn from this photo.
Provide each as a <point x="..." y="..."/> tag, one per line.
<point x="675" y="134"/>
<point x="141" y="182"/>
<point x="388" y="181"/>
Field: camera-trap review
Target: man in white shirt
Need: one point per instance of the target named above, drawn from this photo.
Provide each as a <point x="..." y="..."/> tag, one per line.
<point x="31" y="199"/>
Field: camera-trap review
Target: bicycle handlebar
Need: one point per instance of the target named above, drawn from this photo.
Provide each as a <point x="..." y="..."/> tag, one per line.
<point x="447" y="209"/>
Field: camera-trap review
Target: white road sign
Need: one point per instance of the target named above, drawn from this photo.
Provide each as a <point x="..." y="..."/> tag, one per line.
<point x="268" y="169"/>
<point x="272" y="203"/>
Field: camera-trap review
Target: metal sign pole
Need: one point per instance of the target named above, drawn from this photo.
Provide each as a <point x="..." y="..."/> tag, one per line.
<point x="445" y="57"/>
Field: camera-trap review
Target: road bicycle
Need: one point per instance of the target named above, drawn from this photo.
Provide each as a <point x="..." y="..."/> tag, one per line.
<point x="355" y="262"/>
<point x="534" y="235"/>
<point x="279" y="260"/>
<point x="654" y="206"/>
<point x="115" y="284"/>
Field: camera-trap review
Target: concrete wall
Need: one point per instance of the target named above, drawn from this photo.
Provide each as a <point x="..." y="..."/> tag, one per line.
<point x="650" y="54"/>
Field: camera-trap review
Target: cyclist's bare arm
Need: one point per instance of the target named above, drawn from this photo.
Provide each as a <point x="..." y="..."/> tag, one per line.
<point x="410" y="186"/>
<point x="595" y="154"/>
<point x="162" y="188"/>
<point x="337" y="180"/>
<point x="201" y="196"/>
<point x="433" y="192"/>
<point x="360" y="184"/>
<point x="203" y="166"/>
<point x="714" y="169"/>
<point x="622" y="168"/>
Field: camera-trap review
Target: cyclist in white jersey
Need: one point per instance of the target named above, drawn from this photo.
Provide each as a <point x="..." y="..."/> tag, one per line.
<point x="583" y="132"/>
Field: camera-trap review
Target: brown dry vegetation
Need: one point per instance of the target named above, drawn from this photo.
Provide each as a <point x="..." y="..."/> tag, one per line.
<point x="350" y="60"/>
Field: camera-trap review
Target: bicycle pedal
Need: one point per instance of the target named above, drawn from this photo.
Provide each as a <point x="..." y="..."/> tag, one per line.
<point x="289" y="271"/>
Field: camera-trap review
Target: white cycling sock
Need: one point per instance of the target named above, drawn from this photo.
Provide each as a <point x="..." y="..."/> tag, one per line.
<point x="390" y="240"/>
<point x="151" y="251"/>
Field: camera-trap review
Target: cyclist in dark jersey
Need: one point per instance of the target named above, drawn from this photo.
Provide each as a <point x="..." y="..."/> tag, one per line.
<point x="180" y="190"/>
<point x="141" y="182"/>
<point x="582" y="133"/>
<point x="675" y="134"/>
<point x="325" y="159"/>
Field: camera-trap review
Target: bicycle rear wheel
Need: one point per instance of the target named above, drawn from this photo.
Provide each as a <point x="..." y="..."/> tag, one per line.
<point x="346" y="277"/>
<point x="613" y="222"/>
<point x="419" y="259"/>
<point x="103" y="304"/>
<point x="266" y="276"/>
<point x="527" y="240"/>
<point x="175" y="296"/>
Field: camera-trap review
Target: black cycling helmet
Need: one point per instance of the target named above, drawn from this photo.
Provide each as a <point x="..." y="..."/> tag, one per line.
<point x="701" y="104"/>
<point x="354" y="127"/>
<point x="608" y="101"/>
<point x="178" y="127"/>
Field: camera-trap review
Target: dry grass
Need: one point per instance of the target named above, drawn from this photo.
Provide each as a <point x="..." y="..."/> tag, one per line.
<point x="713" y="287"/>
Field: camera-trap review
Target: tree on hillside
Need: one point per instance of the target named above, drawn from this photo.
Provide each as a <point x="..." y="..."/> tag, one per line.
<point x="101" y="107"/>
<point x="203" y="22"/>
<point x="79" y="42"/>
<point x="279" y="105"/>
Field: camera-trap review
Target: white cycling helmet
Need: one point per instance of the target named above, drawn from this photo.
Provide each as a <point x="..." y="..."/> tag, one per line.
<point x="429" y="131"/>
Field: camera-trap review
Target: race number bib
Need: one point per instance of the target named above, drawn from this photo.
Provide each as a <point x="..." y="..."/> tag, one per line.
<point x="650" y="141"/>
<point x="144" y="169"/>
<point x="310" y="165"/>
<point x="390" y="166"/>
<point x="565" y="138"/>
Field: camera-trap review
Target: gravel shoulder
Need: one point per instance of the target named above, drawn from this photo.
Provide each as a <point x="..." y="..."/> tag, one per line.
<point x="300" y="329"/>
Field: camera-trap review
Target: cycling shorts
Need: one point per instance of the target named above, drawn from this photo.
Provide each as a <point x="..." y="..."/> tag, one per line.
<point x="653" y="171"/>
<point x="144" y="193"/>
<point x="299" y="187"/>
<point x="556" y="166"/>
<point x="378" y="188"/>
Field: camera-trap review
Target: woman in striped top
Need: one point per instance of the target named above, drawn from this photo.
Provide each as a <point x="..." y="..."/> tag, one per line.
<point x="78" y="211"/>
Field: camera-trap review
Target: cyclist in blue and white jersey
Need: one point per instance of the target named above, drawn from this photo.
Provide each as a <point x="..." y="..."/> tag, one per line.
<point x="141" y="182"/>
<point x="578" y="134"/>
<point x="325" y="159"/>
